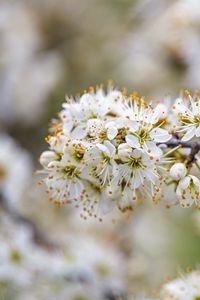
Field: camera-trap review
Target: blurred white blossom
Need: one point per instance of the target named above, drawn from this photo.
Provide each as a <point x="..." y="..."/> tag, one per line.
<point x="28" y="75"/>
<point x="15" y="171"/>
<point x="185" y="288"/>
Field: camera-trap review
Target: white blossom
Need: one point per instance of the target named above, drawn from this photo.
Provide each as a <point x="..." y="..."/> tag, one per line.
<point x="134" y="171"/>
<point x="147" y="137"/>
<point x="15" y="170"/>
<point x="188" y="191"/>
<point x="100" y="160"/>
<point x="188" y="116"/>
<point x="185" y="288"/>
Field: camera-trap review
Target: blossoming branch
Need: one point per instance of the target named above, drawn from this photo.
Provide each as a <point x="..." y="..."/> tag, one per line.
<point x="108" y="149"/>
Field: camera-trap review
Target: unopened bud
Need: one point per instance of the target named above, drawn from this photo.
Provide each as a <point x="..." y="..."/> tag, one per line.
<point x="178" y="171"/>
<point x="47" y="157"/>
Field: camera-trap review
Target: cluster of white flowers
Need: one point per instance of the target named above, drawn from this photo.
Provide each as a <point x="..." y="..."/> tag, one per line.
<point x="187" y="112"/>
<point x="108" y="149"/>
<point x="185" y="288"/>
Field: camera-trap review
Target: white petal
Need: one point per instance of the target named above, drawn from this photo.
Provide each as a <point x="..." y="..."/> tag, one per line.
<point x="110" y="124"/>
<point x="161" y="110"/>
<point x="152" y="149"/>
<point x="110" y="147"/>
<point x="112" y="132"/>
<point x="137" y="153"/>
<point x="133" y="125"/>
<point x="160" y="135"/>
<point x="67" y="127"/>
<point x="104" y="149"/>
<point x="198" y="131"/>
<point x="132" y="141"/>
<point x="95" y="123"/>
<point x="194" y="105"/>
<point x="195" y="180"/>
<point x="124" y="151"/>
<point x="184" y="183"/>
<point x="87" y="99"/>
<point x="79" y="132"/>
<point x="179" y="192"/>
<point x="189" y="134"/>
<point x="138" y="180"/>
<point x="75" y="189"/>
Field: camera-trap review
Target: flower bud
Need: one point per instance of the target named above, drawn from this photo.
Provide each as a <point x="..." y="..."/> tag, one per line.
<point x="47" y="157"/>
<point x="178" y="171"/>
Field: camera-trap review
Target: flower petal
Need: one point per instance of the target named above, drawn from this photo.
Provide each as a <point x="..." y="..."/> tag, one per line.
<point x="110" y="147"/>
<point x="198" y="132"/>
<point x="132" y="141"/>
<point x="160" y="135"/>
<point x="112" y="132"/>
<point x="152" y="149"/>
<point x="189" y="134"/>
<point x="104" y="149"/>
<point x="79" y="132"/>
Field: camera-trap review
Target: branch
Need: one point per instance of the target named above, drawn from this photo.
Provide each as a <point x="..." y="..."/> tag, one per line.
<point x="193" y="145"/>
<point x="37" y="235"/>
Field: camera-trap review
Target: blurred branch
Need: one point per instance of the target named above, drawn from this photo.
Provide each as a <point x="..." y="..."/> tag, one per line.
<point x="38" y="237"/>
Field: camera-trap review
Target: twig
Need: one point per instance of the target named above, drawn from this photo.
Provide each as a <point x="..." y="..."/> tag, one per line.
<point x="193" y="145"/>
<point x="37" y="235"/>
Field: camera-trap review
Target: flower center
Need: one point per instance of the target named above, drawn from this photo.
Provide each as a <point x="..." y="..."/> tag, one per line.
<point x="103" y="134"/>
<point x="79" y="152"/>
<point x="189" y="120"/>
<point x="96" y="188"/>
<point x="185" y="119"/>
<point x="120" y="138"/>
<point x="71" y="171"/>
<point x="143" y="135"/>
<point x="15" y="256"/>
<point x="135" y="163"/>
<point x="106" y="159"/>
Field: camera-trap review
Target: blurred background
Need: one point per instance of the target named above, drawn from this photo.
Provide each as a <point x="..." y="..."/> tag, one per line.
<point x="52" y="48"/>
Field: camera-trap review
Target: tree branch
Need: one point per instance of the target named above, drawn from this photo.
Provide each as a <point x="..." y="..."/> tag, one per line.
<point x="38" y="237"/>
<point x="193" y="145"/>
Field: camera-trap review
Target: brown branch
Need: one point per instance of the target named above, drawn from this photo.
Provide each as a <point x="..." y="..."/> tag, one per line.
<point x="193" y="145"/>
